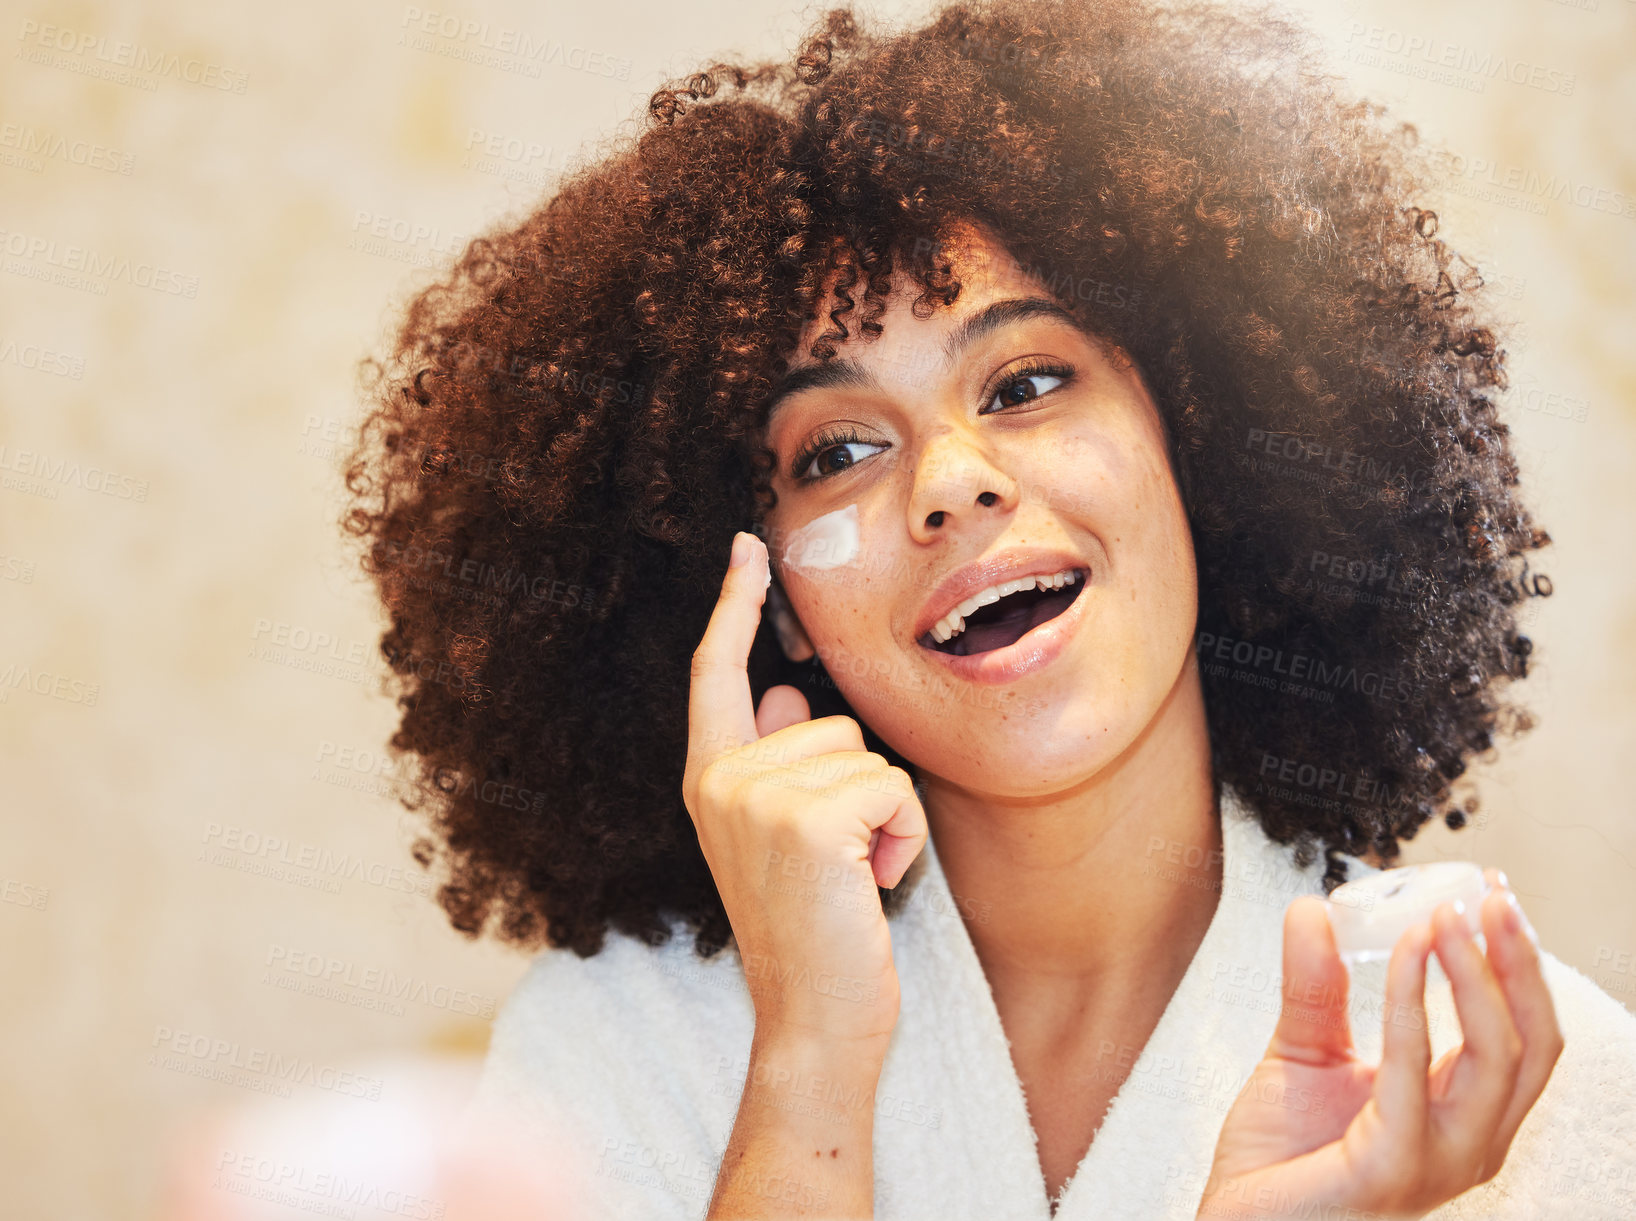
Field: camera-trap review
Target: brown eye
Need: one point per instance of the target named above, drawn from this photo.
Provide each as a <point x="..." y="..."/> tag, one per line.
<point x="835" y="458"/>
<point x="1023" y="389"/>
<point x="1029" y="381"/>
<point x="831" y="458"/>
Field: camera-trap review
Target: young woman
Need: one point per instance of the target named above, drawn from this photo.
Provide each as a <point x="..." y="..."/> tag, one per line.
<point x="1119" y="515"/>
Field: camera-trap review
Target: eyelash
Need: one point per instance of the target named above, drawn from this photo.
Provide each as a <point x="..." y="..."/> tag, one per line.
<point x="846" y="434"/>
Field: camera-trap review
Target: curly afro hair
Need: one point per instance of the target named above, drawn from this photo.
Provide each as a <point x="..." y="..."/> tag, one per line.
<point x="566" y="432"/>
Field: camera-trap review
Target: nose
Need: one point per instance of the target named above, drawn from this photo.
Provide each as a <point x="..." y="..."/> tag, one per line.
<point x="956" y="481"/>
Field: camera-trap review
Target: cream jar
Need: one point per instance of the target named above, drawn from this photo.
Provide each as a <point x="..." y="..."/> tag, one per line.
<point x="1369" y="915"/>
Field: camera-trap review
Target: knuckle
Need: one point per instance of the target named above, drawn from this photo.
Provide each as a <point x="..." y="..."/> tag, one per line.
<point x="704" y="788"/>
<point x="784" y="825"/>
<point x="1401" y="1184"/>
<point x="854" y="731"/>
<point x="1512" y="1051"/>
<point x="715" y="786"/>
<point x="784" y="781"/>
<point x="905" y="787"/>
<point x="701" y="664"/>
<point x="1476" y="1166"/>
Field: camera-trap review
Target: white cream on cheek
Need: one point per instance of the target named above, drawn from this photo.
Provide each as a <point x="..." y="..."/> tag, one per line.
<point x="830" y="541"/>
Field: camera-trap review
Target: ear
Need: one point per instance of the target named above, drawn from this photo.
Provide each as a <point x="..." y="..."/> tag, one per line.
<point x="792" y="637"/>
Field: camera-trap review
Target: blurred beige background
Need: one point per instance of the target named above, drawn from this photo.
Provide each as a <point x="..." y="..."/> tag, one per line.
<point x="203" y="872"/>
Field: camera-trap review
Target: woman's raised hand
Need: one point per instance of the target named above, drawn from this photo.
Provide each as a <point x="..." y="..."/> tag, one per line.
<point x="1315" y="1128"/>
<point x="798" y="822"/>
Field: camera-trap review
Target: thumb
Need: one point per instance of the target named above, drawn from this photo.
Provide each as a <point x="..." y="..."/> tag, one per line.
<point x="1313" y="1024"/>
<point x="781" y="706"/>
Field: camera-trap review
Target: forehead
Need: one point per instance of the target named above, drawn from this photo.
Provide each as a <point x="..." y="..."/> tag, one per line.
<point x="985" y="268"/>
<point x="865" y="369"/>
<point x="995" y="291"/>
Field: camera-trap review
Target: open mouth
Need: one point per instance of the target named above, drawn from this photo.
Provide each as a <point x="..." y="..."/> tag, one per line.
<point x="1009" y="619"/>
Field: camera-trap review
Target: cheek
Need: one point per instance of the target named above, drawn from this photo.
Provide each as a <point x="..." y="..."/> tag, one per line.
<point x="1117" y="483"/>
<point x="824" y="567"/>
<point x="823" y="544"/>
<point x="1105" y="477"/>
<point x="1162" y="576"/>
<point x="1116" y="473"/>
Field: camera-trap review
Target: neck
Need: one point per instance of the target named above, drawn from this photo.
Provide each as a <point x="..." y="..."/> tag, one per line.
<point x="1100" y="894"/>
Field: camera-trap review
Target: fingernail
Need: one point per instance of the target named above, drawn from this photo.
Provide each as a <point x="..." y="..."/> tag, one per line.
<point x="741" y="550"/>
<point x="1505" y="882"/>
<point x="1516" y="922"/>
<point x="1459" y="906"/>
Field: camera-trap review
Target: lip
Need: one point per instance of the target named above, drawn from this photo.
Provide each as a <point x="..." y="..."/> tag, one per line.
<point x="1005" y="565"/>
<point x="1033" y="650"/>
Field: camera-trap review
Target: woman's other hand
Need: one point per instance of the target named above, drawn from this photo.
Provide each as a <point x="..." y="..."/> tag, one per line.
<point x="798" y="823"/>
<point x="1314" y="1127"/>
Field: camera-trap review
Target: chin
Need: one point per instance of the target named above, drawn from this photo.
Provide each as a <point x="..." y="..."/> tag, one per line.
<point x="1018" y="745"/>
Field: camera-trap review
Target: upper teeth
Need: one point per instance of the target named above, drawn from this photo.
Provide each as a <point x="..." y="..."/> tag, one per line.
<point x="954" y="622"/>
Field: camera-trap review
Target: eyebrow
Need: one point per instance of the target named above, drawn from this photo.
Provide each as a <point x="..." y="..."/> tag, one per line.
<point x="841" y="372"/>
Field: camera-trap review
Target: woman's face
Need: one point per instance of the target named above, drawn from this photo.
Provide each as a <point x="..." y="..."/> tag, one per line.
<point x="990" y="442"/>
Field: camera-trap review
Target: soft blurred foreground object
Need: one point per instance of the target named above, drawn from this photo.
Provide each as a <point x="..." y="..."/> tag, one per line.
<point x="412" y="1153"/>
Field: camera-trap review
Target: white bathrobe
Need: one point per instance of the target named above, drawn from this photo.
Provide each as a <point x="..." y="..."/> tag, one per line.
<point x="632" y="1064"/>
